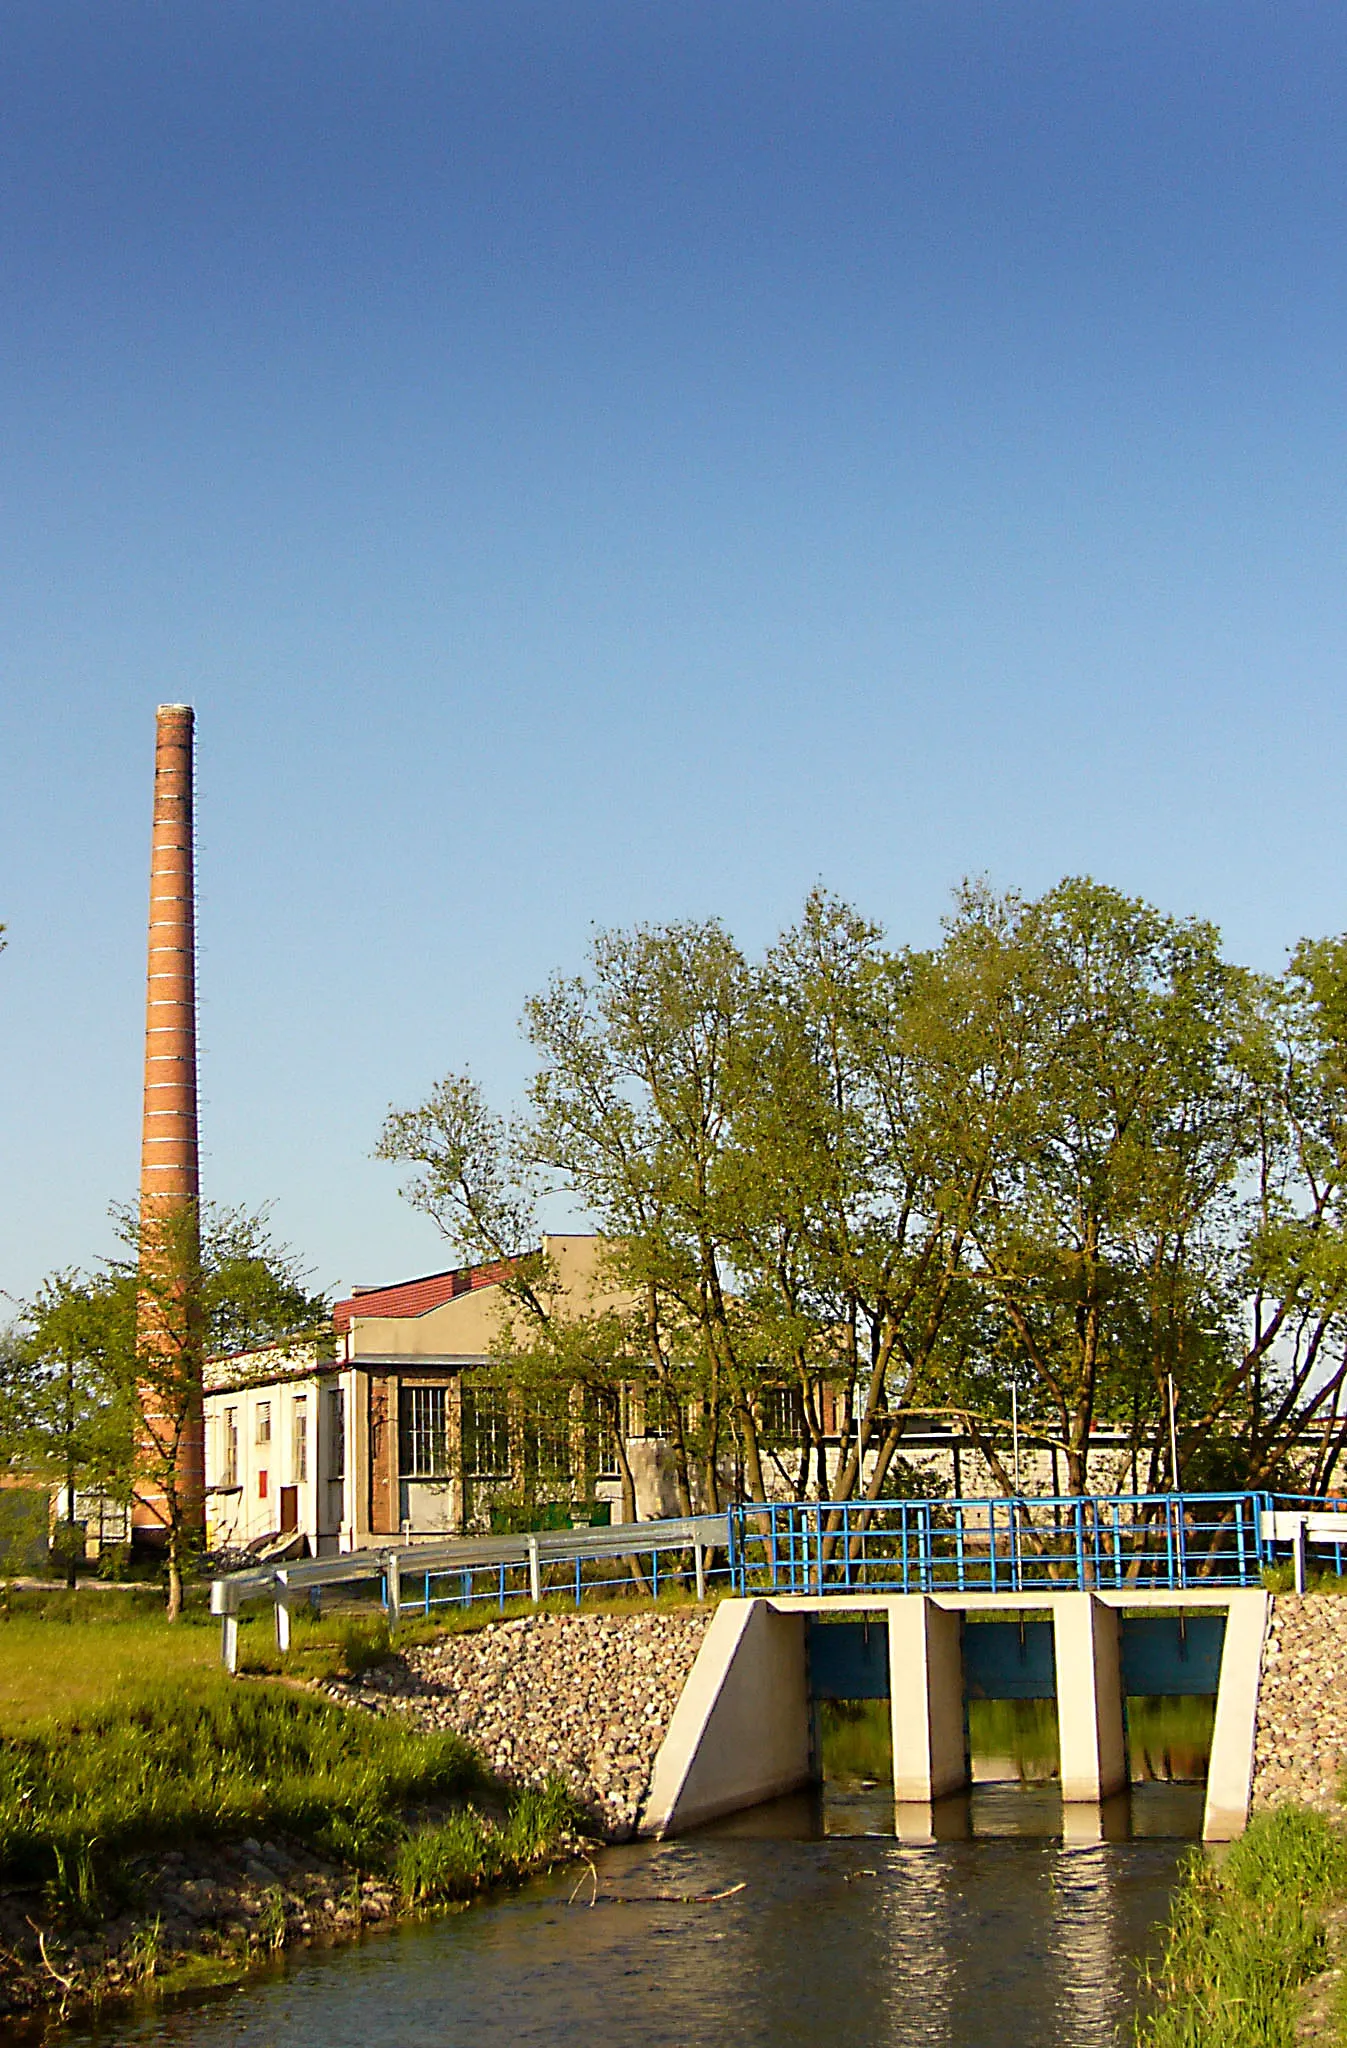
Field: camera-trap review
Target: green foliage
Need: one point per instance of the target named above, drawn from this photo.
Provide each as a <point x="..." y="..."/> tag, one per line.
<point x="1071" y="1150"/>
<point x="1245" y="1937"/>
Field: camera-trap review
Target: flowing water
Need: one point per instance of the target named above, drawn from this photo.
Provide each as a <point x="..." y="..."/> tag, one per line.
<point x="808" y="1921"/>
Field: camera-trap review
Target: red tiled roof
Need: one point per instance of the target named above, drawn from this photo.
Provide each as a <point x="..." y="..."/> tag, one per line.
<point x="416" y="1297"/>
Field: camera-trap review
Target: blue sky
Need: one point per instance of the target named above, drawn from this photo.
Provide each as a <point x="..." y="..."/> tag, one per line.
<point x="622" y="461"/>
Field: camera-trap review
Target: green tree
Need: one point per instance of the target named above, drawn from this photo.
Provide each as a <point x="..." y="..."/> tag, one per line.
<point x="469" y="1172"/>
<point x="110" y="1376"/>
<point x="632" y="1106"/>
<point x="1101" y="1240"/>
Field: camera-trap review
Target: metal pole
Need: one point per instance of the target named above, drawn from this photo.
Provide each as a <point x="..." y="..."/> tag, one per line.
<point x="229" y="1643"/>
<point x="1299" y="1554"/>
<point x="1015" y="1425"/>
<point x="282" y="1612"/>
<point x="699" y="1563"/>
<point x="394" y="1570"/>
<point x="1173" y="1436"/>
<point x="535" y="1573"/>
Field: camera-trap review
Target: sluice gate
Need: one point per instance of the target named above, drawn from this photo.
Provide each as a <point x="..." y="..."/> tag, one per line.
<point x="1160" y="1656"/>
<point x="741" y="1732"/>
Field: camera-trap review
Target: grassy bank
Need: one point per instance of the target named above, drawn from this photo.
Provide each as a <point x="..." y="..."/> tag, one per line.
<point x="1246" y="1935"/>
<point x="148" y="1761"/>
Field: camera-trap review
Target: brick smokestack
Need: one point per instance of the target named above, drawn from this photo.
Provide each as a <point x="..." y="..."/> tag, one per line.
<point x="169" y="1177"/>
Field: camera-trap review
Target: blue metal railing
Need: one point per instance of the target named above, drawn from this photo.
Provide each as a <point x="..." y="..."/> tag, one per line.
<point x="1111" y="1542"/>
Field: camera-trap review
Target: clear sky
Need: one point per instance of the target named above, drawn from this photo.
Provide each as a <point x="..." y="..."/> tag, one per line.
<point x="619" y="460"/>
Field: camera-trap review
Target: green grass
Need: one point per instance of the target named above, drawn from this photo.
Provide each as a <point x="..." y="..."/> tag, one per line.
<point x="1243" y="1938"/>
<point x="210" y="1761"/>
<point x="456" y="1857"/>
<point x="71" y="1653"/>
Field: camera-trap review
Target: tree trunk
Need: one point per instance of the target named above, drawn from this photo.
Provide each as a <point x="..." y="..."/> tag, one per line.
<point x="173" y="1608"/>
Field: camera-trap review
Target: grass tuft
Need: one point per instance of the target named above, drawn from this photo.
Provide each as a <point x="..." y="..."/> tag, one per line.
<point x="1245" y="1937"/>
<point x="467" y="1852"/>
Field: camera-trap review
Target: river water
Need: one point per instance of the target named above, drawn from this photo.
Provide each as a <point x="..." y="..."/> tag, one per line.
<point x="840" y="1935"/>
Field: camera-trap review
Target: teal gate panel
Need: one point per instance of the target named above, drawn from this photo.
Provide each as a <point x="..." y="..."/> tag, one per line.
<point x="1165" y="1655"/>
<point x="1009" y="1660"/>
<point x="848" y="1660"/>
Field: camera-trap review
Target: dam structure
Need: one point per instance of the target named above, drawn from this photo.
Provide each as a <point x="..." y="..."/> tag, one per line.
<point x="744" y="1730"/>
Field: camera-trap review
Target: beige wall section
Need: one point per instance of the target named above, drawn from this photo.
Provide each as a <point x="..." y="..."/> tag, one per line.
<point x="1230" y="1773"/>
<point x="926" y="1699"/>
<point x="1089" y="1697"/>
<point x="469" y="1325"/>
<point x="740" y="1731"/>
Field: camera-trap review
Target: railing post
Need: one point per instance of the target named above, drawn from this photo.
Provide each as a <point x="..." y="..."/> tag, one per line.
<point x="282" y="1612"/>
<point x="699" y="1566"/>
<point x="535" y="1573"/>
<point x="1298" y="1554"/>
<point x="229" y="1642"/>
<point x="393" y="1573"/>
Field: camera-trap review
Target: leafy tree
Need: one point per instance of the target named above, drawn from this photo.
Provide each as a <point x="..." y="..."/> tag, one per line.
<point x="1101" y="1238"/>
<point x="108" y="1380"/>
<point x="469" y="1174"/>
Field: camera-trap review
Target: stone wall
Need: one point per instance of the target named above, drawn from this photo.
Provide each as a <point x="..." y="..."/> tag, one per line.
<point x="1301" y="1745"/>
<point x="588" y="1696"/>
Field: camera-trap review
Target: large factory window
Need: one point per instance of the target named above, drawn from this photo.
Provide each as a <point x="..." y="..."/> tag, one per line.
<point x="486" y="1433"/>
<point x="301" y="1440"/>
<point x="423" y="1436"/>
<point x="337" y="1435"/>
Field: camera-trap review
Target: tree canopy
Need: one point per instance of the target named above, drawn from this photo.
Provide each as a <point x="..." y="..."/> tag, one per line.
<point x="1071" y="1155"/>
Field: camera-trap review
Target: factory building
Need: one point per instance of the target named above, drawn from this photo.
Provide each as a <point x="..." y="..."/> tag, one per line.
<point x="394" y="1427"/>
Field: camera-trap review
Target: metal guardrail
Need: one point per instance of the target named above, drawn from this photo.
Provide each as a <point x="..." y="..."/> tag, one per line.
<point x="461" y="1571"/>
<point x="1101" y="1542"/>
<point x="1002" y="1545"/>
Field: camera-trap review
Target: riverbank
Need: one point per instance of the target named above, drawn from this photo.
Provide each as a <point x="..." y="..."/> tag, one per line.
<point x="175" y="1838"/>
<point x="1254" y="1942"/>
<point x="584" y="1697"/>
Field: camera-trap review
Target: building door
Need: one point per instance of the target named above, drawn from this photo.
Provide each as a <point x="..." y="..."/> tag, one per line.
<point x="289" y="1508"/>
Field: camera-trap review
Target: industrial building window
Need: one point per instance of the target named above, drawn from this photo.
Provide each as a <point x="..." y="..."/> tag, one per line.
<point x="423" y="1436"/>
<point x="337" y="1467"/>
<point x="301" y="1440"/>
<point x="659" y="1412"/>
<point x="606" y="1465"/>
<point x="229" y="1464"/>
<point x="547" y="1448"/>
<point x="486" y="1433"/>
<point x="781" y="1415"/>
<point x="264" y="1422"/>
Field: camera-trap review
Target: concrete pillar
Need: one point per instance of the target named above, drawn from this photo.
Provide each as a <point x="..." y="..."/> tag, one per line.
<point x="926" y="1699"/>
<point x="1089" y="1697"/>
<point x="1230" y="1772"/>
<point x="740" y="1730"/>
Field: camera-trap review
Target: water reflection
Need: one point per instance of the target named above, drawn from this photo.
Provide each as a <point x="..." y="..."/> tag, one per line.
<point x="956" y="1944"/>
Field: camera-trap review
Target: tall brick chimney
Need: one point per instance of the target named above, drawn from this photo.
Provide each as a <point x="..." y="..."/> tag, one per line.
<point x="169" y="1179"/>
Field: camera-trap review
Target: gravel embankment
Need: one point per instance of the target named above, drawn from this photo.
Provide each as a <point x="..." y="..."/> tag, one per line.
<point x="1301" y="1745"/>
<point x="587" y="1696"/>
